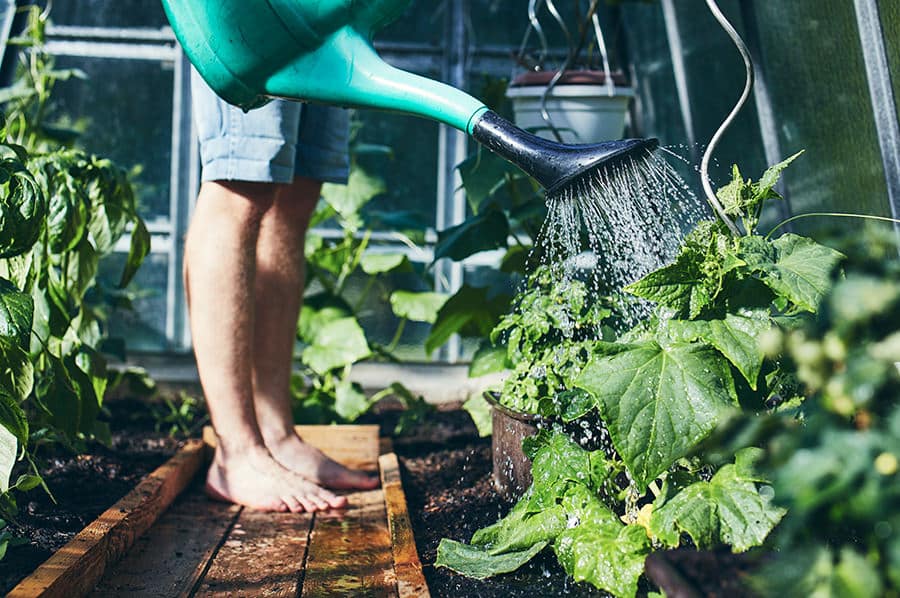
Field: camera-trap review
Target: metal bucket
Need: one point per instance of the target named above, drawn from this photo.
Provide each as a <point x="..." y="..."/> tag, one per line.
<point x="512" y="469"/>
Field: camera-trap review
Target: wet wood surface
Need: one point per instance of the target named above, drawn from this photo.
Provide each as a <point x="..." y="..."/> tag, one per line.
<point x="407" y="566"/>
<point x="210" y="549"/>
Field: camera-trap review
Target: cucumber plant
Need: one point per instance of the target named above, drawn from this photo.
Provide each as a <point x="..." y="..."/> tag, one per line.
<point x="660" y="390"/>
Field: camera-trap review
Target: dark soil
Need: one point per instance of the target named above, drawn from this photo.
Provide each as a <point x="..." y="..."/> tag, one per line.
<point x="447" y="479"/>
<point x="446" y="475"/>
<point x="84" y="486"/>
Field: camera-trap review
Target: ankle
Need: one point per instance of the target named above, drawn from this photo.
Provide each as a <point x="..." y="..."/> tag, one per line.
<point x="278" y="435"/>
<point x="228" y="449"/>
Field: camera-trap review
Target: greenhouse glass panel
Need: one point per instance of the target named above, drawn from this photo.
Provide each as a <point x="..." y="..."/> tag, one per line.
<point x="820" y="94"/>
<point x="890" y="25"/>
<point x="125" y="112"/>
<point x="144" y="326"/>
<point x="109" y="13"/>
<point x="423" y="23"/>
<point x="407" y="162"/>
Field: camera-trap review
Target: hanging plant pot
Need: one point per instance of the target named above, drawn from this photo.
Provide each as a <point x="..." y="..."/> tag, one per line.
<point x="580" y="105"/>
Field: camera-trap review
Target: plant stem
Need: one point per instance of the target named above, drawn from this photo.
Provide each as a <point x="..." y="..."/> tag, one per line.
<point x="833" y="215"/>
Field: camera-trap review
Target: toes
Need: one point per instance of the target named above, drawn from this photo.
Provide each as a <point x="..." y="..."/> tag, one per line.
<point x="292" y="504"/>
<point x="308" y="505"/>
<point x="321" y="504"/>
<point x="332" y="500"/>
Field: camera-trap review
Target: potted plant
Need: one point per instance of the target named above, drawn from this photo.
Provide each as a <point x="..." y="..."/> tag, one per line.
<point x="581" y="100"/>
<point x="660" y="391"/>
<point x="548" y="338"/>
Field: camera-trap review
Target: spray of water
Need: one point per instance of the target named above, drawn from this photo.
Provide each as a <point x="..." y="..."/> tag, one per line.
<point x="617" y="225"/>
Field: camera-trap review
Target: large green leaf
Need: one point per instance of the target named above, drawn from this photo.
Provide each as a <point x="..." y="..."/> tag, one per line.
<point x="418" y="307"/>
<point x="482" y="174"/>
<point x="486" y="231"/>
<point x="475" y="562"/>
<point x="350" y="400"/>
<point x="480" y="410"/>
<point x="347" y="200"/>
<point x="736" y="336"/>
<point x="659" y="402"/>
<point x="23" y="208"/>
<point x="16" y="314"/>
<point x="609" y="557"/>
<point x="488" y="359"/>
<point x="795" y="267"/>
<point x="472" y="310"/>
<point x="727" y="510"/>
<point x="318" y="310"/>
<point x="138" y="250"/>
<point x="338" y="343"/>
<point x="682" y="286"/>
<point x="68" y="214"/>
<point x="379" y="263"/>
<point x="12" y="418"/>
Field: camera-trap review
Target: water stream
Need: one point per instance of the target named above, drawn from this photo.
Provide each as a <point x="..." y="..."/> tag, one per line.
<point x="618" y="224"/>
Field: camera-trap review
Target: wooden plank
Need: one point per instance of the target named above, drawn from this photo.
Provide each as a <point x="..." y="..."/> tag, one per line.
<point x="350" y="551"/>
<point x="350" y="445"/>
<point x="75" y="569"/>
<point x="407" y="566"/>
<point x="262" y="556"/>
<point x="171" y="557"/>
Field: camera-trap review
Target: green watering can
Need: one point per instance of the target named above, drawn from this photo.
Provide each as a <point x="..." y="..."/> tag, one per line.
<point x="250" y="51"/>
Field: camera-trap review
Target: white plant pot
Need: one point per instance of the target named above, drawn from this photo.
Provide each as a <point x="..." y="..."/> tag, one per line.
<point x="581" y="113"/>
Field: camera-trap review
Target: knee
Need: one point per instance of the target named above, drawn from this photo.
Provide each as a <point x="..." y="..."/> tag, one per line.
<point x="243" y="203"/>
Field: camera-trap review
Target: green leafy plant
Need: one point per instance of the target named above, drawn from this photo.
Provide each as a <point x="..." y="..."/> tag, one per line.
<point x="332" y="338"/>
<point x="183" y="416"/>
<point x="834" y="460"/>
<point x="660" y="390"/>
<point x="61" y="212"/>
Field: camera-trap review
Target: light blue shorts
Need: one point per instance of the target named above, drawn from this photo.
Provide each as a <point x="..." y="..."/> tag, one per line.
<point x="272" y="144"/>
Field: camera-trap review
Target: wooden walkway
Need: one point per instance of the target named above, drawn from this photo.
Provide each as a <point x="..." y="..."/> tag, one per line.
<point x="203" y="548"/>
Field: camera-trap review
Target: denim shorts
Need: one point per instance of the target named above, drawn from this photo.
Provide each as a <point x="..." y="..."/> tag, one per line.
<point x="272" y="144"/>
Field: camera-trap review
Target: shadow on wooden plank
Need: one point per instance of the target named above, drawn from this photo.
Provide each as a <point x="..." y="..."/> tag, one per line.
<point x="262" y="556"/>
<point x="169" y="559"/>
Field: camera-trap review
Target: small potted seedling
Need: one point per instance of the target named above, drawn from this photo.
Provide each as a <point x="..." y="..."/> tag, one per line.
<point x="548" y="336"/>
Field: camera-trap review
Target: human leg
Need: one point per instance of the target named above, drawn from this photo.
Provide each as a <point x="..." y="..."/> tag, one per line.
<point x="220" y="258"/>
<point x="278" y="295"/>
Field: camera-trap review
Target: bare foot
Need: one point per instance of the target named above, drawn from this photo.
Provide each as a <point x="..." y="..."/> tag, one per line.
<point x="312" y="464"/>
<point x="256" y="480"/>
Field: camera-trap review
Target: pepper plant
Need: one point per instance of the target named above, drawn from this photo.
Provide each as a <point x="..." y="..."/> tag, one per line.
<point x="659" y="390"/>
<point x="61" y="211"/>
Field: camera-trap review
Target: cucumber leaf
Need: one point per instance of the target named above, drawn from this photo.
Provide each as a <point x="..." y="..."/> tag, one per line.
<point x="659" y="402"/>
<point x="728" y="509"/>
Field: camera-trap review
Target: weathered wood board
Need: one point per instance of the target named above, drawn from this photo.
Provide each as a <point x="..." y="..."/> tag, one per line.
<point x="76" y="568"/>
<point x="210" y="549"/>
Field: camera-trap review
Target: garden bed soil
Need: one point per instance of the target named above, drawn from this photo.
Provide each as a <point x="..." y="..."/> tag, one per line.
<point x="447" y="477"/>
<point x="446" y="471"/>
<point x="83" y="487"/>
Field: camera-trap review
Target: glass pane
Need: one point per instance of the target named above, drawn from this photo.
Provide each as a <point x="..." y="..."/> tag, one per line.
<point x="659" y="114"/>
<point x="410" y="170"/>
<point x="144" y="327"/>
<point x="715" y="79"/>
<point x="109" y="13"/>
<point x="890" y="25"/>
<point x="423" y="22"/>
<point x="818" y="83"/>
<point x="125" y="108"/>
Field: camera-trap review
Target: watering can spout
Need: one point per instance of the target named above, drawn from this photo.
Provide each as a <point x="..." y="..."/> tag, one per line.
<point x="321" y="51"/>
